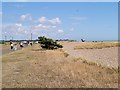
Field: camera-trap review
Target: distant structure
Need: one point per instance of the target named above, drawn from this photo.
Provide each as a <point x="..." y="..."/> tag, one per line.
<point x="83" y="40"/>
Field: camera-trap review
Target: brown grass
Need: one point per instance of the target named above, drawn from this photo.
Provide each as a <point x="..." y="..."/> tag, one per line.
<point x="36" y="68"/>
<point x="3" y="46"/>
<point x="65" y="53"/>
<point x="83" y="60"/>
<point x="98" y="45"/>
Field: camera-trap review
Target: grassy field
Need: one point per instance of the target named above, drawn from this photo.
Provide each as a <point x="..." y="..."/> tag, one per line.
<point x="33" y="67"/>
<point x="98" y="45"/>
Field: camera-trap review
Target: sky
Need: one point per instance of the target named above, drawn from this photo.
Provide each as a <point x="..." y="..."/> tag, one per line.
<point x="59" y="0"/>
<point x="60" y="20"/>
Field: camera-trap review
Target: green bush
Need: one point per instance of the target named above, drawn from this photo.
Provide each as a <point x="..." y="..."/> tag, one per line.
<point x="48" y="43"/>
<point x="2" y="42"/>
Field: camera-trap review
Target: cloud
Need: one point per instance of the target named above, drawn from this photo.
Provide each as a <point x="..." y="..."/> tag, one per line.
<point x="15" y="30"/>
<point x="60" y="31"/>
<point x="42" y="19"/>
<point x="18" y="25"/>
<point x="43" y="27"/>
<point x="54" y="21"/>
<point x="1" y="12"/>
<point x="19" y="31"/>
<point x="79" y="18"/>
<point x="26" y="17"/>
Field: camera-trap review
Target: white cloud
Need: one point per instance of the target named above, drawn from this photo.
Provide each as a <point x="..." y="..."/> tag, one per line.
<point x="42" y="19"/>
<point x="45" y="26"/>
<point x="54" y="21"/>
<point x="14" y="28"/>
<point x="60" y="31"/>
<point x="79" y="18"/>
<point x="26" y="17"/>
<point x="18" y="25"/>
<point x="41" y="27"/>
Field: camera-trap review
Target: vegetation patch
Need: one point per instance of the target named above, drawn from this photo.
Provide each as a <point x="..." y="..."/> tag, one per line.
<point x="48" y="43"/>
<point x="98" y="45"/>
<point x="109" y="70"/>
<point x="65" y="53"/>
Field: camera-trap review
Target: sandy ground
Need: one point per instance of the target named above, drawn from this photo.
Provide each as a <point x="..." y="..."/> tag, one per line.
<point x="33" y="67"/>
<point x="106" y="56"/>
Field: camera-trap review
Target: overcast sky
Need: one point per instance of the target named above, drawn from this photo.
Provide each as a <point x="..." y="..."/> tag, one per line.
<point x="91" y="21"/>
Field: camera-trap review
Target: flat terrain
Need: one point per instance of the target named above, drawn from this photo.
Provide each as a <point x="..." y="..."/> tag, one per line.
<point x="105" y="56"/>
<point x="33" y="67"/>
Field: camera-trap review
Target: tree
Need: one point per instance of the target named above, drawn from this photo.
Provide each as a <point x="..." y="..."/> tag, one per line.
<point x="48" y="43"/>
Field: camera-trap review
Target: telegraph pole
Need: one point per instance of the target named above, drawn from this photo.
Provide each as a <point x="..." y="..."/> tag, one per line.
<point x="5" y="39"/>
<point x="31" y="36"/>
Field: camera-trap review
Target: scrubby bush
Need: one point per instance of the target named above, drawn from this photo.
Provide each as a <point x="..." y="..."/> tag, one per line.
<point x="48" y="43"/>
<point x="2" y="42"/>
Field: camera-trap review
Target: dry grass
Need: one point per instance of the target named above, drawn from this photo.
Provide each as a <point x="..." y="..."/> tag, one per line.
<point x="36" y="68"/>
<point x="83" y="60"/>
<point x="3" y="46"/>
<point x="32" y="53"/>
<point x="98" y="45"/>
<point x="65" y="53"/>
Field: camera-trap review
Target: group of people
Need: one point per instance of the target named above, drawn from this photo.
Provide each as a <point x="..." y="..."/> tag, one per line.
<point x="14" y="45"/>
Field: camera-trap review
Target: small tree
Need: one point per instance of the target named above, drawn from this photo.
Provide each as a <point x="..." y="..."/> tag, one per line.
<point x="48" y="43"/>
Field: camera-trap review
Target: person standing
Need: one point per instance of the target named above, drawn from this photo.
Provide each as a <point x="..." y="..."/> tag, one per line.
<point x="15" y="46"/>
<point x="21" y="45"/>
<point x="11" y="46"/>
<point x="31" y="43"/>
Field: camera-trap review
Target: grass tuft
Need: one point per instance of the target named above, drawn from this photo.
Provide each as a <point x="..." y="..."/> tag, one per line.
<point x="65" y="53"/>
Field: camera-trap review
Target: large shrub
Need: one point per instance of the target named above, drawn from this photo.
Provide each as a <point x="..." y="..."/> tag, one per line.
<point x="48" y="43"/>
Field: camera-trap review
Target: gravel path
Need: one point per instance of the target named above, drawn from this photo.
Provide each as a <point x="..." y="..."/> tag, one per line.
<point x="106" y="57"/>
